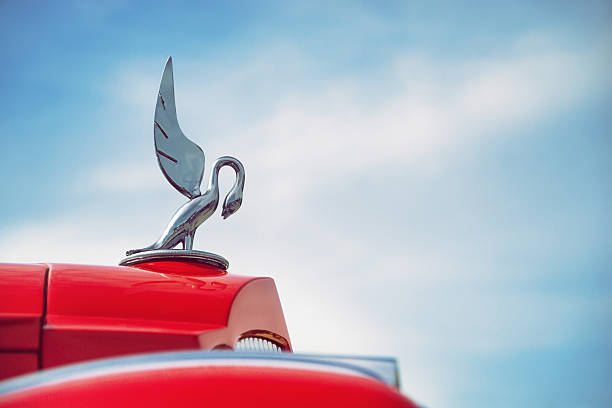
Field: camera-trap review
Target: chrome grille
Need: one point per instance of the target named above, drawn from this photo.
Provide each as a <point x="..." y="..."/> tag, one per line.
<point x="256" y="344"/>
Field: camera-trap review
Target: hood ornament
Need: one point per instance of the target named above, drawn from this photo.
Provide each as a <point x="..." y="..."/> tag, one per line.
<point x="182" y="162"/>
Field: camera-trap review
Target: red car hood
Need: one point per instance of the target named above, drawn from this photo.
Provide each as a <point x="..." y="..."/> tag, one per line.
<point x="56" y="314"/>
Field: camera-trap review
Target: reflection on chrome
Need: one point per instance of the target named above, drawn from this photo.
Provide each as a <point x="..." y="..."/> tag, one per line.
<point x="256" y="344"/>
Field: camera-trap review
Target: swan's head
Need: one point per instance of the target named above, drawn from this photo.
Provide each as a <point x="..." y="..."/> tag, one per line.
<point x="232" y="203"/>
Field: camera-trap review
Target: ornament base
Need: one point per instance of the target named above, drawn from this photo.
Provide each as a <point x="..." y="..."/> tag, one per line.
<point x="180" y="255"/>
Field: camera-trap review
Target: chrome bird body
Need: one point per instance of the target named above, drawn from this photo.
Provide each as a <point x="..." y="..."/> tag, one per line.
<point x="193" y="213"/>
<point x="182" y="162"/>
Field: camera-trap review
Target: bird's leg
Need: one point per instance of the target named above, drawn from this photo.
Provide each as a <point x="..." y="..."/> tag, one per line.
<point x="188" y="242"/>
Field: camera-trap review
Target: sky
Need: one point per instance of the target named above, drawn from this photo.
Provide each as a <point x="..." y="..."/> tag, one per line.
<point x="424" y="180"/>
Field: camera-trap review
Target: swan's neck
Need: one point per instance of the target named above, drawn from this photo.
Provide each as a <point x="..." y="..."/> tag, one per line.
<point x="213" y="183"/>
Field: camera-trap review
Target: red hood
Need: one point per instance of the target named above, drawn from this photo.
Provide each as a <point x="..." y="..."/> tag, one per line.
<point x="99" y="311"/>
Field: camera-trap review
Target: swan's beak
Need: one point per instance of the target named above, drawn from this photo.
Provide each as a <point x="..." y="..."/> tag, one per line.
<point x="231" y="207"/>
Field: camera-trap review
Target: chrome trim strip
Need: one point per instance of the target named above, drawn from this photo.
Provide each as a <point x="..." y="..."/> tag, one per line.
<point x="340" y="364"/>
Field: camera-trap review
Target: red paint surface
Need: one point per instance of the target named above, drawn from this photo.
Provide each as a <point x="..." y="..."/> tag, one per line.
<point x="227" y="387"/>
<point x="12" y="364"/>
<point x="21" y="306"/>
<point x="95" y="311"/>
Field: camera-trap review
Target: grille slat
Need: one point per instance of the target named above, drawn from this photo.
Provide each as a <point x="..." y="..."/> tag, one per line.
<point x="256" y="345"/>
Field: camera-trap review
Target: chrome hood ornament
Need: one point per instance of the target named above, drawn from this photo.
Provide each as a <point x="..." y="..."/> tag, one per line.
<point x="182" y="162"/>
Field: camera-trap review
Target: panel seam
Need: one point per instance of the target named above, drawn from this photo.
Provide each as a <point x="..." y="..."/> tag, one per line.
<point x="43" y="318"/>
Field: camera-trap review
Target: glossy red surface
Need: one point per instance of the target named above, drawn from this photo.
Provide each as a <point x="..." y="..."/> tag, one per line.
<point x="21" y="310"/>
<point x="95" y="311"/>
<point x="224" y="386"/>
<point x="21" y="306"/>
<point x="13" y="363"/>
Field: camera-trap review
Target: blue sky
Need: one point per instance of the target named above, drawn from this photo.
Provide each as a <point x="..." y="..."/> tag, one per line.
<point x="429" y="181"/>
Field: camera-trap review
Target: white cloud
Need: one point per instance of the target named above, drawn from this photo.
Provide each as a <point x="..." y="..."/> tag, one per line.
<point x="121" y="178"/>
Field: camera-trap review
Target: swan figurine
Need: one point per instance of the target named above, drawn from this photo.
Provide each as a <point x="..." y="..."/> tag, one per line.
<point x="182" y="162"/>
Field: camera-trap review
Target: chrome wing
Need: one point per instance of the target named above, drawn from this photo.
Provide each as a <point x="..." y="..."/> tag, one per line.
<point x="180" y="159"/>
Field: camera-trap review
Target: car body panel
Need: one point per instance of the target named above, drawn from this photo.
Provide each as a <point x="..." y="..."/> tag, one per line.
<point x="22" y="289"/>
<point x="67" y="317"/>
<point x="21" y="305"/>
<point x="96" y="312"/>
<point x="100" y="311"/>
<point x="206" y="378"/>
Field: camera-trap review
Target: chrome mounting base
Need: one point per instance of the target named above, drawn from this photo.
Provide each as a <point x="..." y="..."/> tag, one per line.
<point x="176" y="255"/>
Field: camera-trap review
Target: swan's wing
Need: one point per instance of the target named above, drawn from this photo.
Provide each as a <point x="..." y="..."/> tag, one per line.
<point x="181" y="160"/>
